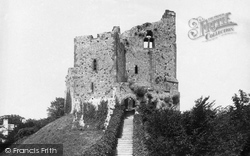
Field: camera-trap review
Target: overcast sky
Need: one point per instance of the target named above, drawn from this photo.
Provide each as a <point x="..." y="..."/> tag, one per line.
<point x="36" y="47"/>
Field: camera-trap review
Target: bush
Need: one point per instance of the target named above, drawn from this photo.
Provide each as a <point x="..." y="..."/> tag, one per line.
<point x="96" y="116"/>
<point x="140" y="91"/>
<point x="101" y="114"/>
<point x="139" y="147"/>
<point x="176" y="99"/>
<point x="166" y="134"/>
<point x="203" y="130"/>
<point x="56" y="109"/>
<point x="107" y="144"/>
<point x="26" y="132"/>
<point x="68" y="103"/>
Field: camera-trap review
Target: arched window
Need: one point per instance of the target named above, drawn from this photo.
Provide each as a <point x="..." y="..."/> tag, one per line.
<point x="149" y="40"/>
<point x="95" y="65"/>
<point x="136" y="69"/>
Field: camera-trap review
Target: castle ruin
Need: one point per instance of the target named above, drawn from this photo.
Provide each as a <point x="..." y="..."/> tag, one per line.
<point x="106" y="67"/>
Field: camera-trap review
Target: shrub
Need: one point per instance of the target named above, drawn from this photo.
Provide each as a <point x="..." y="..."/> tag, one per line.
<point x="56" y="109"/>
<point x="166" y="134"/>
<point x="108" y="142"/>
<point x="26" y="132"/>
<point x="139" y="147"/>
<point x="203" y="130"/>
<point x="68" y="103"/>
<point x="176" y="99"/>
<point x="102" y="114"/>
<point x="140" y="91"/>
<point x="96" y="116"/>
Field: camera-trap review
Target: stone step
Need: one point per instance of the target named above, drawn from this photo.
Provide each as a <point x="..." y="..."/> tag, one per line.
<point x="127" y="137"/>
<point x="130" y="152"/>
<point x="121" y="144"/>
<point x="125" y="140"/>
<point x="127" y="132"/>
<point x="125" y="143"/>
<point x="124" y="151"/>
<point x="125" y="147"/>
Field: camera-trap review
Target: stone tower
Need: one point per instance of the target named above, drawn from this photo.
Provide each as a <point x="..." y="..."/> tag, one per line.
<point x="105" y="66"/>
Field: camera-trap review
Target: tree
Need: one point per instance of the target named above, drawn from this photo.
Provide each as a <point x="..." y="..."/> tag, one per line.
<point x="241" y="100"/>
<point x="68" y="103"/>
<point x="56" y="108"/>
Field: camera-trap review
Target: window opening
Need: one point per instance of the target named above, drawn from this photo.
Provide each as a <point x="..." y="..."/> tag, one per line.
<point x="92" y="87"/>
<point x="95" y="65"/>
<point x="136" y="69"/>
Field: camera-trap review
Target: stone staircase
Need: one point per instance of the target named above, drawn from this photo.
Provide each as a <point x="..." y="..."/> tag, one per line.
<point x="125" y="143"/>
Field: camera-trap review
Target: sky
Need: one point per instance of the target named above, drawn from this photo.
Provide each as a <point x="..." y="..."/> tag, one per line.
<point x="37" y="46"/>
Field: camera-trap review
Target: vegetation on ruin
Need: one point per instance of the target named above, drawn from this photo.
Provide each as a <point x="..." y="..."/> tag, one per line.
<point x="68" y="103"/>
<point x="95" y="117"/>
<point x="107" y="144"/>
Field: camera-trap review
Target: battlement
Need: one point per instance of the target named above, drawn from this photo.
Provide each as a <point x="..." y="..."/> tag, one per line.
<point x="100" y="36"/>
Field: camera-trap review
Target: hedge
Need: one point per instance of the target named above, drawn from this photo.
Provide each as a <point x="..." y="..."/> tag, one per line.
<point x="95" y="116"/>
<point x="139" y="147"/>
<point x="107" y="144"/>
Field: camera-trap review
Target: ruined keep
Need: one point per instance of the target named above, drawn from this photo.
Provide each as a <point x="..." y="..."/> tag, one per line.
<point x="113" y="64"/>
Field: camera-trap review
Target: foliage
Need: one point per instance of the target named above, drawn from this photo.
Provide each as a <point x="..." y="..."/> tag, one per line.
<point x="165" y="133"/>
<point x="13" y="119"/>
<point x="56" y="109"/>
<point x="68" y="103"/>
<point x="95" y="115"/>
<point x="203" y="130"/>
<point x="107" y="143"/>
<point x="140" y="91"/>
<point x="176" y="99"/>
<point x="2" y="145"/>
<point x="139" y="147"/>
<point x="26" y="131"/>
<point x="31" y="125"/>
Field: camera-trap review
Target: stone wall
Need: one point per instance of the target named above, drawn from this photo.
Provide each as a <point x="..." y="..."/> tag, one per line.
<point x="101" y="63"/>
<point x="163" y="54"/>
<point x="120" y="57"/>
<point x="98" y="64"/>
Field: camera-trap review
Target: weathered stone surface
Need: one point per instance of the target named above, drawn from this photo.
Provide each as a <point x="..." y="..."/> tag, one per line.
<point x="163" y="54"/>
<point x="105" y="66"/>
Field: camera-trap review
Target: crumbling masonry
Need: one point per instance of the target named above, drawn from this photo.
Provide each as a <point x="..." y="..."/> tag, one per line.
<point x="106" y="67"/>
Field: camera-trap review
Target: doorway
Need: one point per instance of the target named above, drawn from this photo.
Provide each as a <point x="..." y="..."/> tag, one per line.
<point x="129" y="104"/>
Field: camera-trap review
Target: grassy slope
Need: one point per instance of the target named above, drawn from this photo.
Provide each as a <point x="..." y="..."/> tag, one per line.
<point x="74" y="142"/>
